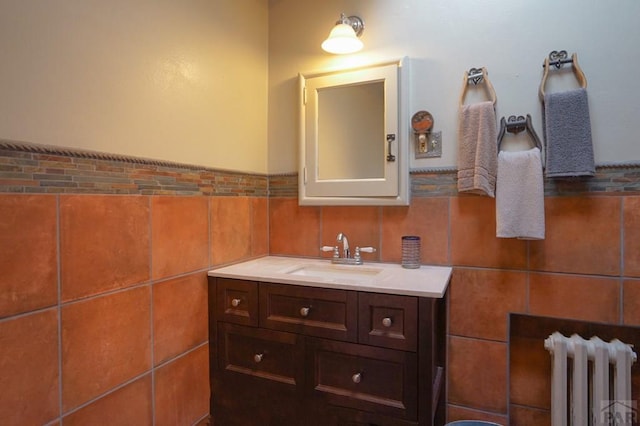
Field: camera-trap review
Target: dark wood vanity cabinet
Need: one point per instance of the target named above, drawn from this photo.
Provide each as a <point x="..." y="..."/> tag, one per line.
<point x="295" y="355"/>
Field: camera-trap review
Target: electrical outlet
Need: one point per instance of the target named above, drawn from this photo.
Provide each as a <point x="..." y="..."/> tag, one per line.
<point x="428" y="145"/>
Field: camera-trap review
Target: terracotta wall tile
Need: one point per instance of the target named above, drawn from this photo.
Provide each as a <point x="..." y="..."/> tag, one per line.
<point x="631" y="302"/>
<point x="28" y="253"/>
<point x="631" y="229"/>
<point x="575" y="297"/>
<point x="182" y="389"/>
<point x="129" y="405"/>
<point x="530" y="366"/>
<point x="105" y="342"/>
<point x="527" y="416"/>
<point x="180" y="320"/>
<point x="104" y="243"/>
<point x="582" y="236"/>
<point x="29" y="382"/>
<point x="477" y="374"/>
<point x="361" y="225"/>
<point x="427" y="218"/>
<point x="480" y="302"/>
<point x="230" y="229"/>
<point x="293" y="230"/>
<point x="179" y="235"/>
<point x="455" y="412"/>
<point x="473" y="236"/>
<point x="260" y="227"/>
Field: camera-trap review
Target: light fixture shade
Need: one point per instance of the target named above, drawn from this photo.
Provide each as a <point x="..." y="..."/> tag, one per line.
<point x="342" y="39"/>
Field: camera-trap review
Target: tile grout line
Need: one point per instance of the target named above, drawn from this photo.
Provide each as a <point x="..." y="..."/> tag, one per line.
<point x="449" y="250"/>
<point x="251" y="223"/>
<point x="151" y="330"/>
<point x="108" y="392"/>
<point x="622" y="270"/>
<point x="59" y="305"/>
<point x="380" y="231"/>
<point x="527" y="296"/>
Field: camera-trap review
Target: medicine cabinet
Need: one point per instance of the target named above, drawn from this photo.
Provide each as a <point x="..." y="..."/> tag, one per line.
<point x="354" y="136"/>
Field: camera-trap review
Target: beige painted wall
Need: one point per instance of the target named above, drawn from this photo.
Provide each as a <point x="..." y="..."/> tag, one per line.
<point x="184" y="81"/>
<point x="193" y="81"/>
<point x="447" y="37"/>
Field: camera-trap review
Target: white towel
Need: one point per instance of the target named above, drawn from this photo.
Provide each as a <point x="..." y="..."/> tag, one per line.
<point x="477" y="149"/>
<point x="520" y="195"/>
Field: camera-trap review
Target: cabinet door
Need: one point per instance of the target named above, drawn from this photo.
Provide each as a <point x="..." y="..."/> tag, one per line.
<point x="388" y="320"/>
<point x="311" y="311"/>
<point x="258" y="377"/>
<point x="377" y="380"/>
<point x="237" y="301"/>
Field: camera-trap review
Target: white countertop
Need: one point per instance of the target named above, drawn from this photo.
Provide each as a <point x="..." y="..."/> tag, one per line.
<point x="426" y="281"/>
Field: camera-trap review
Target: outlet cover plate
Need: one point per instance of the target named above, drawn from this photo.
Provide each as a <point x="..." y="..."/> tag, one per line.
<point x="433" y="146"/>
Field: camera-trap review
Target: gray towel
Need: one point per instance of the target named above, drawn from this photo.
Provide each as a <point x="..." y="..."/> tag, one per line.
<point x="477" y="149"/>
<point x="567" y="130"/>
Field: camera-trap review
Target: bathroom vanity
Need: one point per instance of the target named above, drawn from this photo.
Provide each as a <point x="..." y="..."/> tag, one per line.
<point x="304" y="342"/>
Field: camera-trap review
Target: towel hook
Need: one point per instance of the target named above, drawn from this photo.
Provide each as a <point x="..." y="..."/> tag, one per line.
<point x="557" y="59"/>
<point x="517" y="124"/>
<point x="477" y="76"/>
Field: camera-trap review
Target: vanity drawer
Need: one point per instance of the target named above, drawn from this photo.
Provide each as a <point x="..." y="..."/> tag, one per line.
<point x="388" y="320"/>
<point x="378" y="380"/>
<point x="237" y="301"/>
<point x="312" y="311"/>
<point x="264" y="354"/>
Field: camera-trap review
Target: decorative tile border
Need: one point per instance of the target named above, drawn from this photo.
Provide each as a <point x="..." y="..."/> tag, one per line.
<point x="31" y="168"/>
<point x="609" y="180"/>
<point x="283" y="185"/>
<point x="28" y="168"/>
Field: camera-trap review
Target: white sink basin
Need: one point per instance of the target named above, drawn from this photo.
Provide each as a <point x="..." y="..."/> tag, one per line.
<point x="340" y="272"/>
<point x="426" y="281"/>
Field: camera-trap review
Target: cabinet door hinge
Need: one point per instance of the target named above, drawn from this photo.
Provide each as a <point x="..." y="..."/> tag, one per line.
<point x="304" y="95"/>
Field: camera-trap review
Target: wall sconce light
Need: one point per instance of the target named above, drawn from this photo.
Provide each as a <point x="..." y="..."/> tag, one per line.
<point x="343" y="38"/>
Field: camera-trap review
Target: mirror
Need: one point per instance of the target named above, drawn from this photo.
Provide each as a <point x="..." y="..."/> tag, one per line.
<point x="352" y="150"/>
<point x="348" y="132"/>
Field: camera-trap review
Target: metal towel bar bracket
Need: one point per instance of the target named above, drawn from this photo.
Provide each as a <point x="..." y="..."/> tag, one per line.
<point x="475" y="75"/>
<point x="558" y="59"/>
<point x="517" y="124"/>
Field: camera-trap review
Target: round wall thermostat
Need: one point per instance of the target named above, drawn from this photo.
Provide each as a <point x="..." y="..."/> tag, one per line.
<point x="422" y="122"/>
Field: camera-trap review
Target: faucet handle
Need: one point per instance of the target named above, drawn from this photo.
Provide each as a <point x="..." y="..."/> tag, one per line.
<point x="334" y="249"/>
<point x="357" y="256"/>
<point x="367" y="249"/>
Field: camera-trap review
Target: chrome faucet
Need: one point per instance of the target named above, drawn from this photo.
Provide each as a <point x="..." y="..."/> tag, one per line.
<point x="342" y="238"/>
<point x="346" y="258"/>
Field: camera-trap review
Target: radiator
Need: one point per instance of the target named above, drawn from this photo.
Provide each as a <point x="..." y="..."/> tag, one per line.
<point x="590" y="380"/>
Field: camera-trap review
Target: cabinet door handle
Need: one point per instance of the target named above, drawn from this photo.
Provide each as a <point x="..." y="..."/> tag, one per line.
<point x="387" y="321"/>
<point x="235" y="302"/>
<point x="304" y="311"/>
<point x="258" y="358"/>
<point x="356" y="378"/>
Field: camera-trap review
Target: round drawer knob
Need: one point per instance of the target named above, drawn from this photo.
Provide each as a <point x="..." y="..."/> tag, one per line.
<point x="258" y="357"/>
<point x="304" y="312"/>
<point x="356" y="378"/>
<point x="387" y="322"/>
<point x="235" y="302"/>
